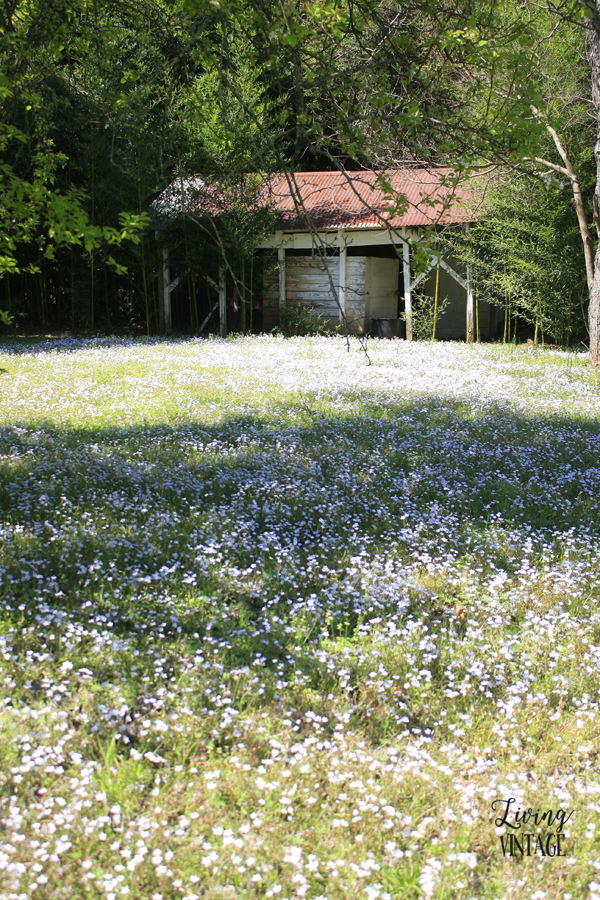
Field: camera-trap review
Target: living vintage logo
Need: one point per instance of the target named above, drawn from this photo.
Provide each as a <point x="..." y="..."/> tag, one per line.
<point x="547" y="840"/>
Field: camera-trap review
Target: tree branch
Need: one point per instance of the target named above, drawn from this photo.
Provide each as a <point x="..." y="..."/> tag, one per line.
<point x="588" y="246"/>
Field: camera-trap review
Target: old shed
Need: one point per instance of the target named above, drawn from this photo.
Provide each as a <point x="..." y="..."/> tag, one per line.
<point x="341" y="245"/>
<point x="343" y="242"/>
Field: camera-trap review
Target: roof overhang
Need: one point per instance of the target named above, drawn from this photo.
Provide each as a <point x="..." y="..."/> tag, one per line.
<point x="340" y="237"/>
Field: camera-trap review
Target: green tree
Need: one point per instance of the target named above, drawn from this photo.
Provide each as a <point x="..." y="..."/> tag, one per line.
<point x="531" y="249"/>
<point x="106" y="103"/>
<point x="525" y="256"/>
<point x="37" y="206"/>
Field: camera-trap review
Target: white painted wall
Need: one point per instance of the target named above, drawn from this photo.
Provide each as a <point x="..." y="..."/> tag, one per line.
<point x="381" y="287"/>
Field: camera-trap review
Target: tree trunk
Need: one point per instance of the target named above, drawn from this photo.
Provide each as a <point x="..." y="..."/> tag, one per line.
<point x="593" y="26"/>
<point x="569" y="171"/>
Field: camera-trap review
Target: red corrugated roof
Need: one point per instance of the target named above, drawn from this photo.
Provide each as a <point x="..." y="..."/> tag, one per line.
<point x="418" y="196"/>
<point x="358" y="200"/>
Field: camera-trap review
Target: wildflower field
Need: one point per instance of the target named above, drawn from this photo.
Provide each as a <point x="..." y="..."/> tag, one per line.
<point x="278" y="623"/>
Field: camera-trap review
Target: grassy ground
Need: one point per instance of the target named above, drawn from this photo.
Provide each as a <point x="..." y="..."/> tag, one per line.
<point x="276" y="623"/>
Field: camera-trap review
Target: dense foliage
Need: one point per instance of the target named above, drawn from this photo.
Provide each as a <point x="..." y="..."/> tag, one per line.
<point x="525" y="247"/>
<point x="103" y="105"/>
<point x="525" y="256"/>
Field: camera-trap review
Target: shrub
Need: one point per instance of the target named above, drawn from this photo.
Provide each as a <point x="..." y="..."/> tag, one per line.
<point x="423" y="315"/>
<point x="298" y="321"/>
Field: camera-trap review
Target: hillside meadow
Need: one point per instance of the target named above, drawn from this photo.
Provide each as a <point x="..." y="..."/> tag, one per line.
<point x="275" y="622"/>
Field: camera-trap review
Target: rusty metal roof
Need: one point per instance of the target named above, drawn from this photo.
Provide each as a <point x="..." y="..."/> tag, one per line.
<point x="364" y="199"/>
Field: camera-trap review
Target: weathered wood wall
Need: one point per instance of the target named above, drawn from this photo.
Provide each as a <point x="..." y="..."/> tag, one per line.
<point x="356" y="293"/>
<point x="371" y="289"/>
<point x="307" y="283"/>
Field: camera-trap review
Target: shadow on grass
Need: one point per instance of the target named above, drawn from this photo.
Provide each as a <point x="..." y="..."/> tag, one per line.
<point x="42" y="344"/>
<point x="246" y="536"/>
<point x="204" y="509"/>
<point x="541" y="473"/>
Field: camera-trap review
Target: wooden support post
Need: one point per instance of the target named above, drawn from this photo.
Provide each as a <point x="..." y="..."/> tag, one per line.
<point x="407" y="291"/>
<point x="342" y="276"/>
<point x="161" y="305"/>
<point x="166" y="292"/>
<point x="159" y="285"/>
<point x="222" y="302"/>
<point x="281" y="261"/>
<point x="470" y="309"/>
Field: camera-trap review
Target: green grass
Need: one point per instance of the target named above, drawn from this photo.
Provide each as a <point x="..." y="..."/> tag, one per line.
<point x="275" y="623"/>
